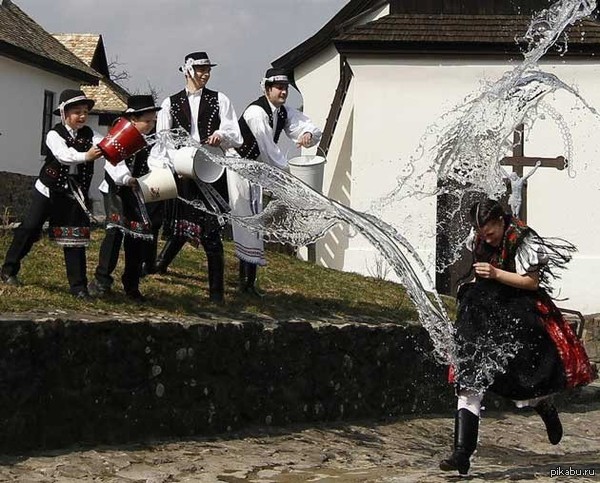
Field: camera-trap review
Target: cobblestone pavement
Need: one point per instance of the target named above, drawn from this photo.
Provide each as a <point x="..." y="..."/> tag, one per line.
<point x="513" y="447"/>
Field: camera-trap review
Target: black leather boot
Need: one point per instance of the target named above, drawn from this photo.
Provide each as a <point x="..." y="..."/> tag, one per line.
<point x="251" y="287"/>
<point x="466" y="429"/>
<point x="549" y="415"/>
<point x="168" y="253"/>
<point x="242" y="279"/>
<point x="216" y="282"/>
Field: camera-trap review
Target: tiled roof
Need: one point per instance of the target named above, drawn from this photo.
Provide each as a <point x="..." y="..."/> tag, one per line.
<point x="82" y="45"/>
<point x="323" y="37"/>
<point x="24" y="40"/>
<point x="458" y="29"/>
<point x="110" y="97"/>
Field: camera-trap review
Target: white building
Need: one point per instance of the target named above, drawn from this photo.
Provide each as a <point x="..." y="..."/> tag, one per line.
<point x="34" y="68"/>
<point x="381" y="72"/>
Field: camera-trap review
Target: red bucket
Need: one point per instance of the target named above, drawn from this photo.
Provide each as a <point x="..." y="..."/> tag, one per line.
<point x="122" y="141"/>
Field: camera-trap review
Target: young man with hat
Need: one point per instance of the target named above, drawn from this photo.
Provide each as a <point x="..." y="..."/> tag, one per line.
<point x="209" y="118"/>
<point x="127" y="217"/>
<point x="261" y="124"/>
<point x="61" y="194"/>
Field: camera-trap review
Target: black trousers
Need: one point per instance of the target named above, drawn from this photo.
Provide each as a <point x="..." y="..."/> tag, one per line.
<point x="136" y="252"/>
<point x="30" y="232"/>
<point x="156" y="213"/>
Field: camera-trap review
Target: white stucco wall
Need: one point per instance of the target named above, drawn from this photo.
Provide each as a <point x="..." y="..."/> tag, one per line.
<point x="393" y="102"/>
<point x="563" y="204"/>
<point x="22" y="105"/>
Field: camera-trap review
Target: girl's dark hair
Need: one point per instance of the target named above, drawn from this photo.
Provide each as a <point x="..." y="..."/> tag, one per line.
<point x="481" y="213"/>
<point x="485" y="211"/>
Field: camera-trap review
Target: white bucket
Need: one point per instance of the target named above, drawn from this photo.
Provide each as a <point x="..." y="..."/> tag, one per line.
<point x="194" y="163"/>
<point x="309" y="169"/>
<point x="158" y="185"/>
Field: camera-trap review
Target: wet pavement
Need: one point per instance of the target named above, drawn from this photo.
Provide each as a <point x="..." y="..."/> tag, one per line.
<point x="512" y="447"/>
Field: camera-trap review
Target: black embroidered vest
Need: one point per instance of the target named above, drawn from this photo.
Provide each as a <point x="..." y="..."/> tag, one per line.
<point x="209" y="118"/>
<point x="249" y="149"/>
<point x="54" y="173"/>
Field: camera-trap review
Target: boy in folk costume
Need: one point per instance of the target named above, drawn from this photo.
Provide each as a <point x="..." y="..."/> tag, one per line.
<point x="61" y="194"/>
<point x="126" y="214"/>
<point x="209" y="117"/>
<point x="261" y="124"/>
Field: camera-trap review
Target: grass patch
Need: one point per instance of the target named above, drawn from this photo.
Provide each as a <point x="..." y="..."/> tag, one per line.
<point x="295" y="289"/>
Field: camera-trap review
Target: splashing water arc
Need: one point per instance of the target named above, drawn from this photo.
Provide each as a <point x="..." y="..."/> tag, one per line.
<point x="465" y="153"/>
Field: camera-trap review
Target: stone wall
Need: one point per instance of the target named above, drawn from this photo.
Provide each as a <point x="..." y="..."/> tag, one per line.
<point x="591" y="337"/>
<point x="15" y="195"/>
<point x="64" y="381"/>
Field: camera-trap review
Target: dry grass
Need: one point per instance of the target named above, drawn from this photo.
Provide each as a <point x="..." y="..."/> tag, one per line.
<point x="295" y="289"/>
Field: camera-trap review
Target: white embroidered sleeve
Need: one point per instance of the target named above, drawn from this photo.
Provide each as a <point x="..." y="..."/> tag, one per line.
<point x="531" y="256"/>
<point x="120" y="173"/>
<point x="298" y="123"/>
<point x="229" y="129"/>
<point x="159" y="156"/>
<point x="61" y="151"/>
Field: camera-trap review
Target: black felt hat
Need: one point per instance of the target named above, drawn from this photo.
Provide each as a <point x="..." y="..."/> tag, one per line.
<point x="139" y="104"/>
<point x="72" y="97"/>
<point x="273" y="76"/>
<point x="196" y="58"/>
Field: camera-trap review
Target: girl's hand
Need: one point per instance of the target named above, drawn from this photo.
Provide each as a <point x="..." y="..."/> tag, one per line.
<point x="485" y="270"/>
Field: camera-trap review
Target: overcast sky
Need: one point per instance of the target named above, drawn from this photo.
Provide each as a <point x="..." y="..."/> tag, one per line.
<point x="151" y="37"/>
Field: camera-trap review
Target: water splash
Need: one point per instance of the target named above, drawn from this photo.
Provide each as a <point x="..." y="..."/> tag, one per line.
<point x="300" y="215"/>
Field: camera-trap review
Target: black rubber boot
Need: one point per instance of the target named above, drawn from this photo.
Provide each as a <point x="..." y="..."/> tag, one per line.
<point x="216" y="282"/>
<point x="466" y="429"/>
<point x="549" y="415"/>
<point x="168" y="253"/>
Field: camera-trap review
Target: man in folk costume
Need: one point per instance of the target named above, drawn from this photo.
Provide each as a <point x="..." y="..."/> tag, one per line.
<point x="209" y="117"/>
<point x="261" y="124"/>
<point x="127" y="217"/>
<point x="61" y="194"/>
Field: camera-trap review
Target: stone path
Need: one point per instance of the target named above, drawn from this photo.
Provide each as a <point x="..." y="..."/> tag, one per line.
<point x="513" y="447"/>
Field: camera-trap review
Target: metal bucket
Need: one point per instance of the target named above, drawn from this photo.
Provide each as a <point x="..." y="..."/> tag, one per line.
<point x="158" y="185"/>
<point x="309" y="168"/>
<point x="121" y="142"/>
<point x="191" y="162"/>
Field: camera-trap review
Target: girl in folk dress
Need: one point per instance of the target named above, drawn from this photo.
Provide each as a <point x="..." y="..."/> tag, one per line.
<point x="510" y="337"/>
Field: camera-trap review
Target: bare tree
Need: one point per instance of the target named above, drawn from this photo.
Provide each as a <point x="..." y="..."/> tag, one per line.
<point x="154" y="92"/>
<point x="117" y="71"/>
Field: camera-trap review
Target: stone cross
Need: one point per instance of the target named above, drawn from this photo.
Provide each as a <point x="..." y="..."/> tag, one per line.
<point x="518" y="161"/>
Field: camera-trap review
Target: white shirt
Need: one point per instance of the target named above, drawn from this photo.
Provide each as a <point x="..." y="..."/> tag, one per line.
<point x="64" y="154"/>
<point x="296" y="125"/>
<point x="229" y="129"/>
<point x="120" y="174"/>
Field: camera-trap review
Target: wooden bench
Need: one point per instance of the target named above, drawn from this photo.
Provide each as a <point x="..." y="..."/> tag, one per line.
<point x="575" y="319"/>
